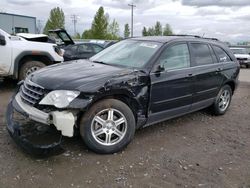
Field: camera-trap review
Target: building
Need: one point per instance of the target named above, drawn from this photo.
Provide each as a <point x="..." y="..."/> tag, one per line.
<point x="13" y="23"/>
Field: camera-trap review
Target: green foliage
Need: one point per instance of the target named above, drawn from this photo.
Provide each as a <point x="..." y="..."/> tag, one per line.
<point x="113" y="30"/>
<point x="144" y="31"/>
<point x="87" y="34"/>
<point x="56" y="20"/>
<point x="158" y="29"/>
<point x="151" y="31"/>
<point x="99" y="28"/>
<point x="126" y="31"/>
<point x="167" y="30"/>
<point x="77" y="36"/>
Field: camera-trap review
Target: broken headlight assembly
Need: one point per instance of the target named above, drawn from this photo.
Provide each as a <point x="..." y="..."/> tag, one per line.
<point x="59" y="98"/>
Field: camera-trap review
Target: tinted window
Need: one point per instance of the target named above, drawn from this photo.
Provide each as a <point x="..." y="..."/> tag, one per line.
<point x="175" y="57"/>
<point x="201" y="53"/>
<point x="97" y="48"/>
<point x="221" y="54"/>
<point x="70" y="50"/>
<point x="83" y="48"/>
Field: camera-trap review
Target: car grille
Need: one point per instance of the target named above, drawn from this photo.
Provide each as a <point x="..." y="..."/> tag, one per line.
<point x="31" y="93"/>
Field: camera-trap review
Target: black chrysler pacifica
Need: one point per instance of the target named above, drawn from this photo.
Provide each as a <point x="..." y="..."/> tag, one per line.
<point x="134" y="83"/>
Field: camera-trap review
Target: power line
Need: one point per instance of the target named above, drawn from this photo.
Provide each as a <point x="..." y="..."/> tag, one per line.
<point x="74" y="18"/>
<point x="132" y="18"/>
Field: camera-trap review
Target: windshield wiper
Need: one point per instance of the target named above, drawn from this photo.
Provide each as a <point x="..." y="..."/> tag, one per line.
<point x="101" y="62"/>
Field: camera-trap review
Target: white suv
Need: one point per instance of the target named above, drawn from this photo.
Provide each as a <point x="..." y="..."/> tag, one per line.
<point x="242" y="56"/>
<point x="20" y="57"/>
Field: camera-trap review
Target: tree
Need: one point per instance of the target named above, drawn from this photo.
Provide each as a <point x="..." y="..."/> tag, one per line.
<point x="158" y="29"/>
<point x="144" y="31"/>
<point x="77" y="36"/>
<point x="126" y="31"/>
<point x="56" y="20"/>
<point x="151" y="31"/>
<point x="99" y="28"/>
<point x="167" y="30"/>
<point x="87" y="34"/>
<point x="113" y="30"/>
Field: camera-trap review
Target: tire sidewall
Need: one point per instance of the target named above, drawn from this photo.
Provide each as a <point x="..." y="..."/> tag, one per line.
<point x="27" y="65"/>
<point x="218" y="111"/>
<point x="85" y="126"/>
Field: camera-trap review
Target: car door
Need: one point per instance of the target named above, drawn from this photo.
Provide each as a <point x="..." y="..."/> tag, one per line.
<point x="207" y="74"/>
<point x="5" y="55"/>
<point x="85" y="51"/>
<point x="171" y="88"/>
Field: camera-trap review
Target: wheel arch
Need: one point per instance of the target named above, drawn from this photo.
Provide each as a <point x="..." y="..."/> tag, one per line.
<point x="232" y="85"/>
<point x="126" y="98"/>
<point x="44" y="57"/>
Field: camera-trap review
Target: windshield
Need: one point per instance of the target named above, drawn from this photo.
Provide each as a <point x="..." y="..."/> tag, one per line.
<point x="239" y="51"/>
<point x="128" y="53"/>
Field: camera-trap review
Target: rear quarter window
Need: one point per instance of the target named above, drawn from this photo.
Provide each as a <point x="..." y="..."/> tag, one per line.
<point x="222" y="56"/>
<point x="201" y="54"/>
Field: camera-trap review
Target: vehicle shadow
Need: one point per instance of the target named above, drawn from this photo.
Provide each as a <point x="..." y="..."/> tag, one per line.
<point x="8" y="84"/>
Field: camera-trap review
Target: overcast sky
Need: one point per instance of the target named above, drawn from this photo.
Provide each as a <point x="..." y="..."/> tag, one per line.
<point x="228" y="20"/>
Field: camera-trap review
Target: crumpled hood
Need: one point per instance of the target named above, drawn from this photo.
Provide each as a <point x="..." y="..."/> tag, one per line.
<point x="82" y="75"/>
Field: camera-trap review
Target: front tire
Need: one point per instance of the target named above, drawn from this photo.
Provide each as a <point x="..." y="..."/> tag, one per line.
<point x="223" y="100"/>
<point x="30" y="67"/>
<point x="108" y="126"/>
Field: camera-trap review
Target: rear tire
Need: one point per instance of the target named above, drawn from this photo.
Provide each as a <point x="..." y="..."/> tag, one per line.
<point x="223" y="101"/>
<point x="29" y="67"/>
<point x="108" y="126"/>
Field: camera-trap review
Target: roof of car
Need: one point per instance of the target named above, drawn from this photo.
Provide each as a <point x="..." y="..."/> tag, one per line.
<point x="165" y="39"/>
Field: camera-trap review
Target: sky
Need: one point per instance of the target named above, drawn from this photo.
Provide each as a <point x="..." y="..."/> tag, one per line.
<point x="227" y="20"/>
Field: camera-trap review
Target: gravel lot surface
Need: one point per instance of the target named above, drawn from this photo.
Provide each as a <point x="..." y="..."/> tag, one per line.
<point x="196" y="150"/>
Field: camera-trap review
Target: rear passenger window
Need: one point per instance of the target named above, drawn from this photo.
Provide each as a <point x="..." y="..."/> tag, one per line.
<point x="201" y="53"/>
<point x="221" y="54"/>
<point x="175" y="57"/>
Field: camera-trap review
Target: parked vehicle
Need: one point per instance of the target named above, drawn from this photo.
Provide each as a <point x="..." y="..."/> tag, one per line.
<point x="134" y="83"/>
<point x="242" y="56"/>
<point x="19" y="57"/>
<point x="81" y="51"/>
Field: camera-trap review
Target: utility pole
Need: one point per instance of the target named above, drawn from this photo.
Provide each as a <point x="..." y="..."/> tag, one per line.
<point x="132" y="18"/>
<point x="74" y="18"/>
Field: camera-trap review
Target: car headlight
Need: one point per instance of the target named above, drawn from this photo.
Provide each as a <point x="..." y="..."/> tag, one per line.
<point x="59" y="98"/>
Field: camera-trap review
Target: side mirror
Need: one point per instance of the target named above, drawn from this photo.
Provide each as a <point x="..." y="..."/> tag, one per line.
<point x="2" y="40"/>
<point x="159" y="68"/>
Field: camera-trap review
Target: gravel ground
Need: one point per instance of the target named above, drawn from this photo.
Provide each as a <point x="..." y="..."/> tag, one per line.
<point x="196" y="150"/>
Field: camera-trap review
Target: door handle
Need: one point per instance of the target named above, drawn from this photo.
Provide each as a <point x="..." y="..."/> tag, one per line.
<point x="218" y="69"/>
<point x="189" y="76"/>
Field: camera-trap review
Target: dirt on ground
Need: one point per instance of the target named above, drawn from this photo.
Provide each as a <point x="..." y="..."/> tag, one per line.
<point x="195" y="150"/>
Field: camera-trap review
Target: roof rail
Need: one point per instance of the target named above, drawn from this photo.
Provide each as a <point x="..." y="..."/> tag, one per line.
<point x="210" y="38"/>
<point x="196" y="36"/>
<point x="184" y="35"/>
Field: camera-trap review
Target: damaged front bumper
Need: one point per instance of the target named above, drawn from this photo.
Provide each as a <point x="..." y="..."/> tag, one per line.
<point x="42" y="137"/>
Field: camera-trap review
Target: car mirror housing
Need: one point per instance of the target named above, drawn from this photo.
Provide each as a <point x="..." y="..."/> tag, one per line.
<point x="159" y="68"/>
<point x="2" y="40"/>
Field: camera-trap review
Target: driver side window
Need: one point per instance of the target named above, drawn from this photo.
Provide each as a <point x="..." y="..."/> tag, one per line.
<point x="175" y="57"/>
